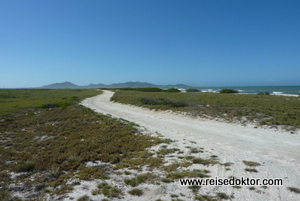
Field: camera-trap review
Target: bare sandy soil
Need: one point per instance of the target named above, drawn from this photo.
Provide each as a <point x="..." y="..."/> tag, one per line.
<point x="276" y="151"/>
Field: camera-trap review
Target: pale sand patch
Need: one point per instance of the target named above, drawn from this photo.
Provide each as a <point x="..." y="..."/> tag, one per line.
<point x="276" y="151"/>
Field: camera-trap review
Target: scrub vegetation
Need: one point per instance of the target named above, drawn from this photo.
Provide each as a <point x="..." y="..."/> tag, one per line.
<point x="46" y="138"/>
<point x="48" y="142"/>
<point x="20" y="100"/>
<point x="272" y="111"/>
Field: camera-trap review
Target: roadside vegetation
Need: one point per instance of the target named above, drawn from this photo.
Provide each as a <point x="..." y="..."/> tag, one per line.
<point x="20" y="100"/>
<point x="272" y="111"/>
<point x="50" y="145"/>
<point x="46" y="138"/>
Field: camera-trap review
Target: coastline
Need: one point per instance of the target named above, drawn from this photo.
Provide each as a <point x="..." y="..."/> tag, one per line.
<point x="273" y="90"/>
<point x="289" y="95"/>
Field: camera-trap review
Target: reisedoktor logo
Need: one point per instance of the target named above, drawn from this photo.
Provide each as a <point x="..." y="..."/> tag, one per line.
<point x="231" y="182"/>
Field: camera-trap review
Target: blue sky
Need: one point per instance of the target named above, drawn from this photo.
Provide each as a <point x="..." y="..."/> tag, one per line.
<point x="196" y="42"/>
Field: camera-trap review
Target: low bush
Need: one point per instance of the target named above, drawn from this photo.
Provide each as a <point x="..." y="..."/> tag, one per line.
<point x="228" y="91"/>
<point x="264" y="93"/>
<point x="161" y="101"/>
<point x="109" y="191"/>
<point x="84" y="198"/>
<point x="27" y="167"/>
<point x="222" y="196"/>
<point x="49" y="105"/>
<point x="193" y="90"/>
<point x="172" y="90"/>
<point x="250" y="170"/>
<point x="136" y="192"/>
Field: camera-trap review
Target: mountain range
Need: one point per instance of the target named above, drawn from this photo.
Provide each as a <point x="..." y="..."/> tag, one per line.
<point x="69" y="85"/>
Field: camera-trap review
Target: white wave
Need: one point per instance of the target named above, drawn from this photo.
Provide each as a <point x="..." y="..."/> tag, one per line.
<point x="208" y="90"/>
<point x="277" y="92"/>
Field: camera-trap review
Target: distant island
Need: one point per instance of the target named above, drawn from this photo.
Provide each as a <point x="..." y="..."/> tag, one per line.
<point x="69" y="85"/>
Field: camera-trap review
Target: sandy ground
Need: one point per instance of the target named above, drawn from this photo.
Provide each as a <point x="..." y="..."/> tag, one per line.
<point x="276" y="151"/>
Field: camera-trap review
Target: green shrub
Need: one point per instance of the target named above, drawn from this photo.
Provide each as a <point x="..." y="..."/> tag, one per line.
<point x="172" y="90"/>
<point x="205" y="198"/>
<point x="84" y="198"/>
<point x="161" y="101"/>
<point x="222" y="196"/>
<point x="166" y="180"/>
<point x="264" y="93"/>
<point x="228" y="91"/>
<point x="136" y="180"/>
<point x="4" y="193"/>
<point x="193" y="90"/>
<point x="108" y="191"/>
<point x="49" y="105"/>
<point x="63" y="104"/>
<point x="74" y="98"/>
<point x="27" y="167"/>
<point x="136" y="192"/>
<point x="250" y="170"/>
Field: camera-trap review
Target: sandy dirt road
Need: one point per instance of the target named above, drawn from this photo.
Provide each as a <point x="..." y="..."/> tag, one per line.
<point x="276" y="151"/>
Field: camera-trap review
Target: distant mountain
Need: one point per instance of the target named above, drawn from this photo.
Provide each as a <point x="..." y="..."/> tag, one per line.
<point x="63" y="85"/>
<point x="94" y="86"/>
<point x="69" y="85"/>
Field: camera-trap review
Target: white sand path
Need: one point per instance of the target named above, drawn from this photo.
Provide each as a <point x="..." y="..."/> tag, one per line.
<point x="276" y="151"/>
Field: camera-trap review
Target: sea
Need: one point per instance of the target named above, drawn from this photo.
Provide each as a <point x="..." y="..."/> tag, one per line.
<point x="291" y="90"/>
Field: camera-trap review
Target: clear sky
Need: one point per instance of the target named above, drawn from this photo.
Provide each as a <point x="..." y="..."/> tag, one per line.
<point x="194" y="42"/>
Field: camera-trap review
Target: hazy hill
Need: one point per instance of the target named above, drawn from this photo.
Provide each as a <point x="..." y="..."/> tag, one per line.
<point x="62" y="85"/>
<point x="70" y="85"/>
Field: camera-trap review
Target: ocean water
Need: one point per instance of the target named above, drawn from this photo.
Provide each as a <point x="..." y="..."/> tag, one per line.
<point x="294" y="90"/>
